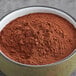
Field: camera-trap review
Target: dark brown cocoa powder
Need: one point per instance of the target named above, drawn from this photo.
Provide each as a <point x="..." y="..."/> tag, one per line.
<point x="38" y="39"/>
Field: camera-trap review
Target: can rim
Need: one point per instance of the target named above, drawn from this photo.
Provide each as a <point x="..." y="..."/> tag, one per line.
<point x="45" y="65"/>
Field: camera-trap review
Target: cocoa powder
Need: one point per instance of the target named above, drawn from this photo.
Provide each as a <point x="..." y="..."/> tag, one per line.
<point x="38" y="38"/>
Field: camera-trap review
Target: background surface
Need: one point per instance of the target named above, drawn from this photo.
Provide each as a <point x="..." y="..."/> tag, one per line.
<point x="7" y="6"/>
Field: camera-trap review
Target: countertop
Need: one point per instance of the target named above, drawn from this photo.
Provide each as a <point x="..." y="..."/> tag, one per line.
<point x="7" y="6"/>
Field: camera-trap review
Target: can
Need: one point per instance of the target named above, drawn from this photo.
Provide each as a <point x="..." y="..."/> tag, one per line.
<point x="61" y="68"/>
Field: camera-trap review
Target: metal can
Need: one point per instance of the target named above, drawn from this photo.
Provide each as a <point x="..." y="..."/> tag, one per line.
<point x="61" y="68"/>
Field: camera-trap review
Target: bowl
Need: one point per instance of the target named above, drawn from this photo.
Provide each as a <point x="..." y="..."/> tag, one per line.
<point x="60" y="68"/>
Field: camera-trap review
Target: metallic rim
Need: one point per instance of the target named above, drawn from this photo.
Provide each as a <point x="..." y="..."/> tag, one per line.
<point x="46" y="65"/>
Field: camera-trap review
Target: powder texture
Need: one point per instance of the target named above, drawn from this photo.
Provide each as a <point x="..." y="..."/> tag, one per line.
<point x="38" y="38"/>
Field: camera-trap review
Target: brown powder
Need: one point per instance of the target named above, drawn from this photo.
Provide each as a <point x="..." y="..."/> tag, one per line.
<point x="38" y="38"/>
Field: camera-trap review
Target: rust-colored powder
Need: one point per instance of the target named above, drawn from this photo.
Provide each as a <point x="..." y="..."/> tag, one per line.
<point x="38" y="38"/>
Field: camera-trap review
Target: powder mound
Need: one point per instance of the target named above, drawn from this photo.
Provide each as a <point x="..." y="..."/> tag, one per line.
<point x="38" y="38"/>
